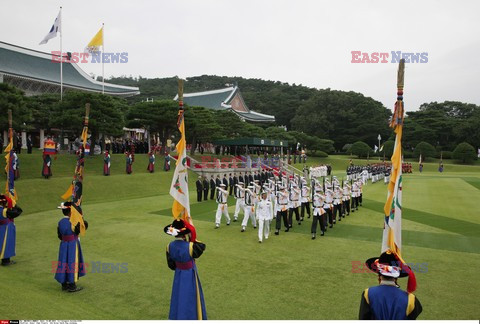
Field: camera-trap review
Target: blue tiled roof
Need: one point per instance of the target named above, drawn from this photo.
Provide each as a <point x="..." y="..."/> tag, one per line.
<point x="26" y="63"/>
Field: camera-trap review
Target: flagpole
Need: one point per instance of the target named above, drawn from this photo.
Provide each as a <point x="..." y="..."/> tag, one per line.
<point x="61" y="57"/>
<point x="103" y="58"/>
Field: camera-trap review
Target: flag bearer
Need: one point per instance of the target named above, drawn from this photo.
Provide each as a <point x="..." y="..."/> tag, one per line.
<point x="70" y="266"/>
<point x="187" y="301"/>
<point x="8" y="232"/>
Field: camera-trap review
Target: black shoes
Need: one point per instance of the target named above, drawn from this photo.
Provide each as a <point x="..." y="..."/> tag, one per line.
<point x="313" y="236"/>
<point x="287" y="229"/>
<point x="70" y="287"/>
<point x="7" y="262"/>
<point x="322" y="234"/>
<point x="276" y="232"/>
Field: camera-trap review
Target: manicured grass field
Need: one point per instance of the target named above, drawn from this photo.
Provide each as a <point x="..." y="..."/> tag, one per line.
<point x="287" y="277"/>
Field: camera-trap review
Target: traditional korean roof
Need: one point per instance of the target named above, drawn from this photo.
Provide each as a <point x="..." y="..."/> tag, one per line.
<point x="22" y="64"/>
<point x="225" y="99"/>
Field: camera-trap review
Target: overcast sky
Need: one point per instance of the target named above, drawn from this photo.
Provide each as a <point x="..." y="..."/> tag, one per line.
<point x="294" y="41"/>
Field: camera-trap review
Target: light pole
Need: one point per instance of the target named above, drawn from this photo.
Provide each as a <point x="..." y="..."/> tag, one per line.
<point x="379" y="139"/>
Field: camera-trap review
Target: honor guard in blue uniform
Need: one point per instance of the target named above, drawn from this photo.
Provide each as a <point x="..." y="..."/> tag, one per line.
<point x="387" y="301"/>
<point x="187" y="301"/>
<point x="70" y="266"/>
<point x="8" y="232"/>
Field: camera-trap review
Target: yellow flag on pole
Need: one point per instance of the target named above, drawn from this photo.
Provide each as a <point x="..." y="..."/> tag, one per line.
<point x="96" y="42"/>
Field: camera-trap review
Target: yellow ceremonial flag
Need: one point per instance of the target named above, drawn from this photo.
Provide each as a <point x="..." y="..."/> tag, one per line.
<point x="96" y="42"/>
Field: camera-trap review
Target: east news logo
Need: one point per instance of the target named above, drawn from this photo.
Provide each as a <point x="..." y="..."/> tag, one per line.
<point x="383" y="57"/>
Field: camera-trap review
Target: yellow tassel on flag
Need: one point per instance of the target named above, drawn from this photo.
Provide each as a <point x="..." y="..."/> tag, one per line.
<point x="68" y="194"/>
<point x="75" y="218"/>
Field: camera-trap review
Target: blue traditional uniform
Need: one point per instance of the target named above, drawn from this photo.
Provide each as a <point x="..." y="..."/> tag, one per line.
<point x="151" y="162"/>
<point x="8" y="233"/>
<point x="187" y="302"/>
<point x="129" y="162"/>
<point x="70" y="266"/>
<point x="106" y="164"/>
<point x="47" y="166"/>
<point x="386" y="301"/>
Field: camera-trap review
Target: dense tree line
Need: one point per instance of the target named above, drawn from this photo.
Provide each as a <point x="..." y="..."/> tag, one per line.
<point x="322" y="120"/>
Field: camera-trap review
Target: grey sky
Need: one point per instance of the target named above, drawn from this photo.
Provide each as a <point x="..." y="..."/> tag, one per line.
<point x="294" y="41"/>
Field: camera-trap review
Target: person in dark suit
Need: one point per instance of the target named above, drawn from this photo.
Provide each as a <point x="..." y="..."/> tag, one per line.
<point x="250" y="178"/>
<point x="218" y="182"/>
<point x="240" y="178"/>
<point x="29" y="144"/>
<point x="205" y="188"/>
<point x="225" y="181"/>
<point x="213" y="185"/>
<point x="199" y="189"/>
<point x="230" y="184"/>
<point x="256" y="176"/>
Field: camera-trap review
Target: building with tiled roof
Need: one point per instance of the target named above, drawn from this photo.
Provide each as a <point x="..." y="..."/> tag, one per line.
<point x="35" y="73"/>
<point x="225" y="99"/>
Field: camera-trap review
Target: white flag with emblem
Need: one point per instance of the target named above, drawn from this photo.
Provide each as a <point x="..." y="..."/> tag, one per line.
<point x="56" y="28"/>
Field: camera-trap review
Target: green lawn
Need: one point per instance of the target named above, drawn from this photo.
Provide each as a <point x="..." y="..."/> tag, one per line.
<point x="287" y="277"/>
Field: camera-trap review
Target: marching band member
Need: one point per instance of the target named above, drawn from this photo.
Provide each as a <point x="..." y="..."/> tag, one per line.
<point x="249" y="208"/>
<point x="239" y="193"/>
<point x="222" y="208"/>
<point x="346" y="199"/>
<point x="305" y="201"/>
<point x="294" y="203"/>
<point x="328" y="206"/>
<point x="337" y="204"/>
<point x="318" y="213"/>
<point x="281" y="209"/>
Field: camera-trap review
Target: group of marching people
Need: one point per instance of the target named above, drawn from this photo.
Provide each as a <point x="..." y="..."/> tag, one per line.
<point x="281" y="197"/>
<point x="374" y="172"/>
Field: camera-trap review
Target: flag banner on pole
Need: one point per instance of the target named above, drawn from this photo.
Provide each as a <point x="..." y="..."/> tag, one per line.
<point x="56" y="28"/>
<point x="392" y="230"/>
<point x="9" y="159"/>
<point x="381" y="148"/>
<point x="95" y="43"/>
<point x="179" y="186"/>
<point x="375" y="148"/>
<point x="75" y="190"/>
<point x="50" y="147"/>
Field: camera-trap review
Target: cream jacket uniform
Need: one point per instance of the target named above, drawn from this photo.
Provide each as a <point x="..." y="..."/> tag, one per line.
<point x="328" y="203"/>
<point x="318" y="201"/>
<point x="240" y="203"/>
<point x="222" y="208"/>
<point x="305" y="194"/>
<point x="346" y="193"/>
<point x="281" y="201"/>
<point x="264" y="216"/>
<point x="249" y="209"/>
<point x="294" y="198"/>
